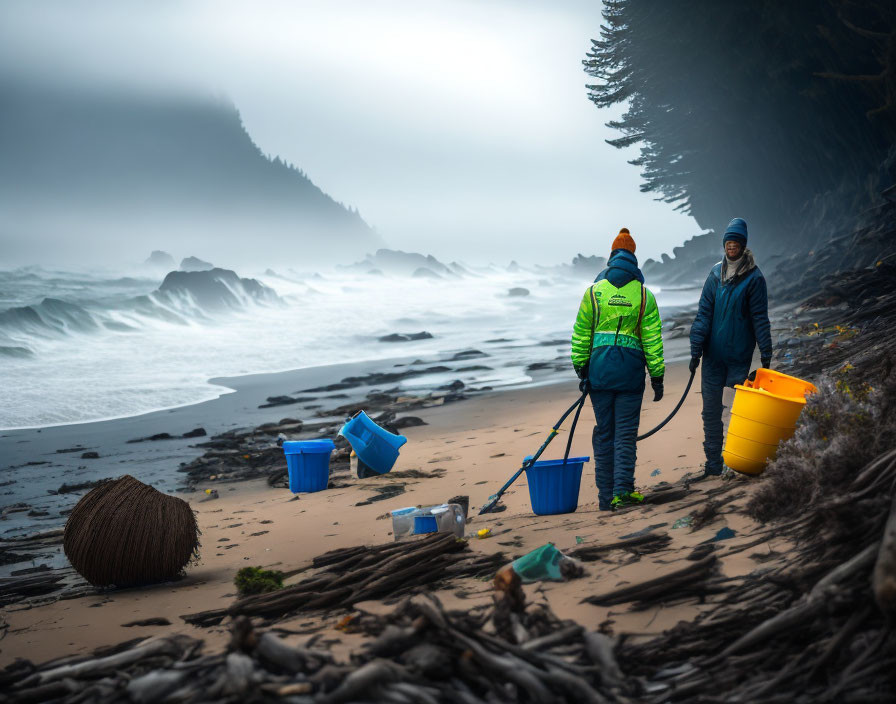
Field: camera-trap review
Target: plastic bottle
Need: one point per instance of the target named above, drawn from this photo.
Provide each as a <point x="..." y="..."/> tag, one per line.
<point x="450" y="518"/>
<point x="403" y="521"/>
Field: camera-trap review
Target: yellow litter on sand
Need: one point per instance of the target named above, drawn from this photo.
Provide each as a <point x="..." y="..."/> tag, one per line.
<point x="483" y="533"/>
<point x="763" y="414"/>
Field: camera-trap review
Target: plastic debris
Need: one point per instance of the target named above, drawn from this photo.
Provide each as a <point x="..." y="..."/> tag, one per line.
<point x="546" y="563"/>
<point x="643" y="531"/>
<point x="724" y="534"/>
<point x="655" y="473"/>
<point x="579" y="540"/>
<point x="683" y="522"/>
<point x="483" y="533"/>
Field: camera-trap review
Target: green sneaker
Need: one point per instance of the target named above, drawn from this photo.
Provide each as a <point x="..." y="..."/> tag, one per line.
<point x="632" y="498"/>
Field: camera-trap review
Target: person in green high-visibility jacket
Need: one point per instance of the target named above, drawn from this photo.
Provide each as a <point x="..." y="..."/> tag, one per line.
<point x="616" y="337"/>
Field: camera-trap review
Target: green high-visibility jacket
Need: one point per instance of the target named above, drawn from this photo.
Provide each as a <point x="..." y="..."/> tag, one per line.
<point x="618" y="332"/>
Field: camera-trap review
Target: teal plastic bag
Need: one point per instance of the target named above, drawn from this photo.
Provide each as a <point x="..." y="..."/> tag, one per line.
<point x="540" y="564"/>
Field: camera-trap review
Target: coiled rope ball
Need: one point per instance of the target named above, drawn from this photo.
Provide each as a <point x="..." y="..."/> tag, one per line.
<point x="125" y="533"/>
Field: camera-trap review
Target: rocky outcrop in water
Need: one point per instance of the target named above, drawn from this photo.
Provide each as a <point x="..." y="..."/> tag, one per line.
<point x="217" y="289"/>
<point x="398" y="263"/>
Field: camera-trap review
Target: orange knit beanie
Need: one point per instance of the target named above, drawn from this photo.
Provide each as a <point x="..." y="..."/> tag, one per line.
<point x="624" y="241"/>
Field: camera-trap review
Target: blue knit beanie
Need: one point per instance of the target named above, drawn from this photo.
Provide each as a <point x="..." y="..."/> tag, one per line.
<point x="737" y="231"/>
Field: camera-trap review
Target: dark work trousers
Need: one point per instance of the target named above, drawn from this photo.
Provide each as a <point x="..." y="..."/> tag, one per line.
<point x="617" y="414"/>
<point x="715" y="376"/>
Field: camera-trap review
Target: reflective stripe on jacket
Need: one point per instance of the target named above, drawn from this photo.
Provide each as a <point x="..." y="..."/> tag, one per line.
<point x="607" y="336"/>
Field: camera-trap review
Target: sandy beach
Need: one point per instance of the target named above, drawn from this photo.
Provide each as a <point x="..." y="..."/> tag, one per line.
<point x="469" y="448"/>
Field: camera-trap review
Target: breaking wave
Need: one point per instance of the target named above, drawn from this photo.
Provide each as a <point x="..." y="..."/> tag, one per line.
<point x="183" y="298"/>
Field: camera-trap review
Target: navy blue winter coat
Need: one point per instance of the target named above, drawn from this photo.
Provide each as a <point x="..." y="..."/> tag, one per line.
<point x="732" y="318"/>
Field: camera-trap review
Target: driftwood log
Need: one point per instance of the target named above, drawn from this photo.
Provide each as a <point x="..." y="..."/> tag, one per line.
<point x="884" y="577"/>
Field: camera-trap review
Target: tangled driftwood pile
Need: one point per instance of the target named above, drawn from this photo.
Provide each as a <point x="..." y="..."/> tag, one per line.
<point x="418" y="653"/>
<point x="126" y="533"/>
<point x="817" y="630"/>
<point x="351" y="575"/>
<point x="814" y="630"/>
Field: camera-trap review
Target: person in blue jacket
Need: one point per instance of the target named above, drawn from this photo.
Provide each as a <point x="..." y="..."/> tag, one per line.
<point x="732" y="319"/>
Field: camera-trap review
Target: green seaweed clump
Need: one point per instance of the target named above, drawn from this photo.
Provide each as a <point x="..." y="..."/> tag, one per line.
<point x="254" y="580"/>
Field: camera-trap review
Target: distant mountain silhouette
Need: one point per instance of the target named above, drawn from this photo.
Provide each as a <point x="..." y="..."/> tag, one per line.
<point x="160" y="260"/>
<point x="195" y="264"/>
<point x="103" y="172"/>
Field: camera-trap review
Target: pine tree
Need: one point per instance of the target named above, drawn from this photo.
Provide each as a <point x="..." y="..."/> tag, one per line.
<point x="753" y="109"/>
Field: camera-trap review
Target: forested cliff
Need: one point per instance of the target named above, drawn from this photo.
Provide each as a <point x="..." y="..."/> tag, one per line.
<point x="174" y="171"/>
<point x="783" y="113"/>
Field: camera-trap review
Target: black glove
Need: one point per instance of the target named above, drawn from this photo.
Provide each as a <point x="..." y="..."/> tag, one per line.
<point x="656" y="383"/>
<point x="766" y="362"/>
<point x="695" y="362"/>
<point x="582" y="373"/>
<point x="752" y="376"/>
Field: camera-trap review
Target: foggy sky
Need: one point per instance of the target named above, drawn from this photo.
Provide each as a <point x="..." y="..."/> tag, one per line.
<point x="458" y="128"/>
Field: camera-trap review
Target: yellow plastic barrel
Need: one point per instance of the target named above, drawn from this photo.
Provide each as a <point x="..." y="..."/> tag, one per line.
<point x="764" y="413"/>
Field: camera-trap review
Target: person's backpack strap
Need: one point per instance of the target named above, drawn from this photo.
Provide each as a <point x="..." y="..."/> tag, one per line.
<point x="595" y="315"/>
<point x="641" y="313"/>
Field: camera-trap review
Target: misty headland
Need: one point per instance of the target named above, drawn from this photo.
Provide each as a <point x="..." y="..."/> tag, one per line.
<point x="89" y="172"/>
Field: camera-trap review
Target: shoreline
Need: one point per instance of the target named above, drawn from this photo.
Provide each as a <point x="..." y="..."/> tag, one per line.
<point x="38" y="462"/>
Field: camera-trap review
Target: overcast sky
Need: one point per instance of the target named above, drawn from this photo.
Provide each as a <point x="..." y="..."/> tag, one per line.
<point x="458" y="128"/>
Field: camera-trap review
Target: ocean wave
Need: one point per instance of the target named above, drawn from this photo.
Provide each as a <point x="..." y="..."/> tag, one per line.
<point x="15" y="352"/>
<point x="49" y="317"/>
<point x="182" y="298"/>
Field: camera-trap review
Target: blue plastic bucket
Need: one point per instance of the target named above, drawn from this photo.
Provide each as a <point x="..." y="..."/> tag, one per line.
<point x="375" y="446"/>
<point x="554" y="486"/>
<point x="425" y="524"/>
<point x="308" y="464"/>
